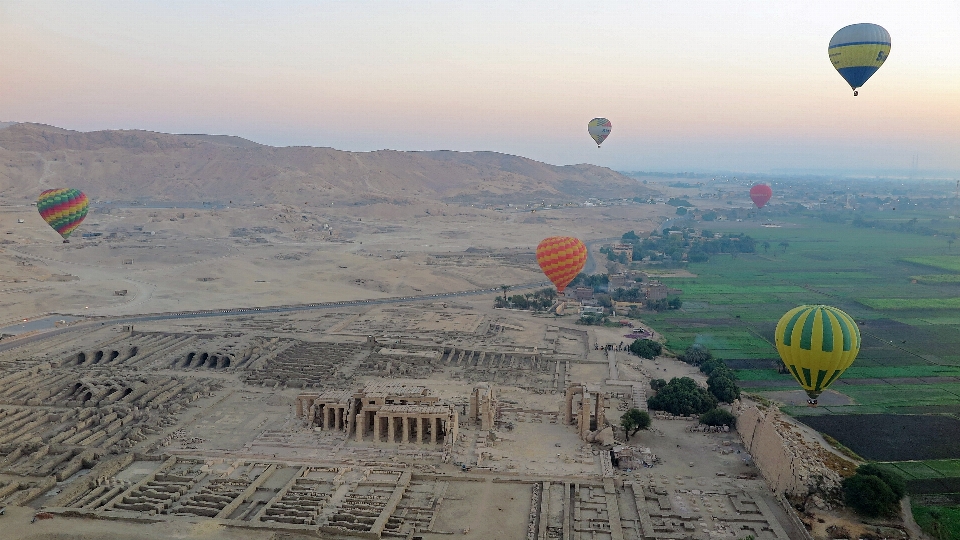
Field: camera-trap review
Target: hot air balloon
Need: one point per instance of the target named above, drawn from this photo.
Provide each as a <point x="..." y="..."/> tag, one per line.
<point x="817" y="344"/>
<point x="857" y="52"/>
<point x="561" y="258"/>
<point x="63" y="209"/>
<point x="760" y="194"/>
<point x="599" y="129"/>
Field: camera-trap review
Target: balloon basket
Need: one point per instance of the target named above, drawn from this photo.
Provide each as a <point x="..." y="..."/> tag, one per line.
<point x="66" y="241"/>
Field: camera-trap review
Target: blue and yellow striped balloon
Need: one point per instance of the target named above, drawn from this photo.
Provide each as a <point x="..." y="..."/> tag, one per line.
<point x="817" y="344"/>
<point x="857" y="52"/>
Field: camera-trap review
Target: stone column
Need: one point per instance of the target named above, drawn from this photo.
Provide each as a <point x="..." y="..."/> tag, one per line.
<point x="568" y="411"/>
<point x="299" y="407"/>
<point x="325" y="413"/>
<point x="390" y="436"/>
<point x="434" y="428"/>
<point x="455" y="429"/>
<point x="474" y="398"/>
<point x="360" y="427"/>
<point x="405" y="438"/>
<point x="419" y="430"/>
<point x="600" y="411"/>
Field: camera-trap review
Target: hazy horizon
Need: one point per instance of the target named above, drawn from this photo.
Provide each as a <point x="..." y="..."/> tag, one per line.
<point x="698" y="86"/>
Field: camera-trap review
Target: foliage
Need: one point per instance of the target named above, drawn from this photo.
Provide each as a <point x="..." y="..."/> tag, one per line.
<point x="536" y="301"/>
<point x="874" y="491"/>
<point x="696" y="355"/>
<point x="681" y="211"/>
<point x="657" y="384"/>
<point x="634" y="419"/>
<point x="665" y="304"/>
<point x="718" y="417"/>
<point x="598" y="282"/>
<point x="678" y="202"/>
<point x="629" y="236"/>
<point x="646" y="348"/>
<point x="722" y="384"/>
<point x="696" y="247"/>
<point x="891" y="478"/>
<point x="592" y="319"/>
<point x="910" y="227"/>
<point x="708" y="366"/>
<point x="633" y="294"/>
<point x="682" y="396"/>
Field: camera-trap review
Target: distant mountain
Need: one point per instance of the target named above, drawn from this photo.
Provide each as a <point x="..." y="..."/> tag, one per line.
<point x="130" y="164"/>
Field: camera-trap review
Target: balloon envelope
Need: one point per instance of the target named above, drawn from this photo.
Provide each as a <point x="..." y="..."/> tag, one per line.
<point x="817" y="344"/>
<point x="857" y="52"/>
<point x="760" y="194"/>
<point x="561" y="258"/>
<point x="63" y="209"/>
<point x="599" y="129"/>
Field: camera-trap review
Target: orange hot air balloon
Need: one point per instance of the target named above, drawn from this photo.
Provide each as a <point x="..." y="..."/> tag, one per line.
<point x="561" y="258"/>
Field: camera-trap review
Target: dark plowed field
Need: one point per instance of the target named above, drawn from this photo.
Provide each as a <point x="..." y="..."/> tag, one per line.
<point x="892" y="437"/>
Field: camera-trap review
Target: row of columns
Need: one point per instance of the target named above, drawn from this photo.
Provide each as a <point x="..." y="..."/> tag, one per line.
<point x="431" y="423"/>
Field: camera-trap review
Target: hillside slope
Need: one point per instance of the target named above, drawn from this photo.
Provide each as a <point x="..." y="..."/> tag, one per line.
<point x="133" y="164"/>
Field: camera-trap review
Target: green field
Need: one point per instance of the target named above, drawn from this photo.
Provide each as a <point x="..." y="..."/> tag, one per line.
<point x="909" y="361"/>
<point x="935" y="279"/>
<point x="944" y="262"/>
<point x="910" y="326"/>
<point x="911" y="303"/>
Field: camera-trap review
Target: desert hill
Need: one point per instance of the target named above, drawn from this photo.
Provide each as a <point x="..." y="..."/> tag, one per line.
<point x="130" y="164"/>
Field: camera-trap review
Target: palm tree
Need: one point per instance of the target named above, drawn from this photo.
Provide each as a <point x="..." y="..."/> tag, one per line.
<point x="505" y="288"/>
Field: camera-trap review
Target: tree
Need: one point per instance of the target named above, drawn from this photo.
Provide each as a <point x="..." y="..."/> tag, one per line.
<point x="634" y="419"/>
<point x="707" y="366"/>
<point x="681" y="211"/>
<point x="505" y="288"/>
<point x="682" y="396"/>
<point x="722" y="385"/>
<point x="784" y="245"/>
<point x="766" y="246"/>
<point x="892" y="479"/>
<point x="657" y="384"/>
<point x="629" y="237"/>
<point x="646" y="348"/>
<point x="869" y="495"/>
<point x="674" y="303"/>
<point x="696" y="354"/>
<point x="718" y="417"/>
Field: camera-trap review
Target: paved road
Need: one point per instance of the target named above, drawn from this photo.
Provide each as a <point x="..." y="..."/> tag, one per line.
<point x="588" y="268"/>
<point x="13" y="343"/>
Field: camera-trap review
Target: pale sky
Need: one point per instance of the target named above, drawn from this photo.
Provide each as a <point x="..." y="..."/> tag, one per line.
<point x="688" y="85"/>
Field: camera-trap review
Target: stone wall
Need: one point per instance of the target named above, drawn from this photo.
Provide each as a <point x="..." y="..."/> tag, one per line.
<point x="790" y="463"/>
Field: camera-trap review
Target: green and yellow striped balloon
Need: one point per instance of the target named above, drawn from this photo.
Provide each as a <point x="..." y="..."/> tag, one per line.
<point x="817" y="344"/>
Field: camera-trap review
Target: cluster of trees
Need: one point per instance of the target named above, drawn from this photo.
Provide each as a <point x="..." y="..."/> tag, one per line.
<point x="682" y="395"/>
<point x="721" y="380"/>
<point x="665" y="304"/>
<point x="873" y="491"/>
<point x="597" y="282"/>
<point x="910" y="227"/>
<point x="534" y="301"/>
<point x="696" y="248"/>
<point x="646" y="348"/>
<point x="593" y="319"/>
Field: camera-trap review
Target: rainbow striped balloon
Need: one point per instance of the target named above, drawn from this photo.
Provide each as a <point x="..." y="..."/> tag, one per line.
<point x="817" y="344"/>
<point x="561" y="258"/>
<point x="63" y="209"/>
